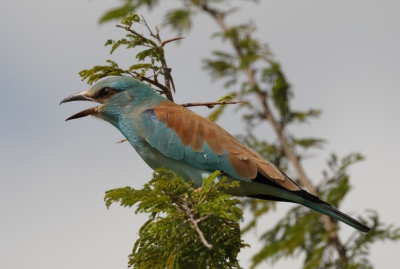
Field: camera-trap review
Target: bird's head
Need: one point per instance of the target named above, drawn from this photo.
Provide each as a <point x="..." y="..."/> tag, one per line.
<point x="115" y="95"/>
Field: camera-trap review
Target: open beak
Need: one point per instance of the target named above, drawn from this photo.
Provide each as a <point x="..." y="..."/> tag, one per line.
<point x="82" y="96"/>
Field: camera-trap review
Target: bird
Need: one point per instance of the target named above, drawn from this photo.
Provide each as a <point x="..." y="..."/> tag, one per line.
<point x="166" y="134"/>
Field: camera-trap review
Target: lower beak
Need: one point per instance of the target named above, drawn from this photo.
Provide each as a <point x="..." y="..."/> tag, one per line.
<point x="82" y="96"/>
<point x="84" y="113"/>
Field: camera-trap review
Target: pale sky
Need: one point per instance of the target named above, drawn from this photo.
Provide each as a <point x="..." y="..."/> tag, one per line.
<point x="341" y="56"/>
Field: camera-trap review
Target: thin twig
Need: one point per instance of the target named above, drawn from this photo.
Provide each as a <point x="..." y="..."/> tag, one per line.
<point x="157" y="35"/>
<point x="148" y="28"/>
<point x="203" y="218"/>
<point x="167" y="71"/>
<point x="184" y="207"/>
<point x="134" y="32"/>
<point x="170" y="40"/>
<point x="210" y="104"/>
<point x="209" y="246"/>
<point x="153" y="82"/>
<point x="172" y="81"/>
<point x="227" y="223"/>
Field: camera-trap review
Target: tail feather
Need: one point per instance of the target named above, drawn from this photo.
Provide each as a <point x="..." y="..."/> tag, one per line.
<point x="336" y="214"/>
<point x="269" y="190"/>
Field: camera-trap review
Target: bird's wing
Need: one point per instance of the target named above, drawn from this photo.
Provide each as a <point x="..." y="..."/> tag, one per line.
<point x="181" y="134"/>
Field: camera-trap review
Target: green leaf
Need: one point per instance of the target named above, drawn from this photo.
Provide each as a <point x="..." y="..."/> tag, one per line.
<point x="225" y="98"/>
<point x="140" y="66"/>
<point x="109" y="42"/>
<point x="147" y="53"/>
<point x="307" y="143"/>
<point x="117" y="13"/>
<point x="178" y="20"/>
<point x="100" y="71"/>
<point x="302" y="117"/>
<point x="217" y="112"/>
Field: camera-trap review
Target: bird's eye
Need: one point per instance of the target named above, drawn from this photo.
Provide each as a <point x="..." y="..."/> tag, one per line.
<point x="106" y="92"/>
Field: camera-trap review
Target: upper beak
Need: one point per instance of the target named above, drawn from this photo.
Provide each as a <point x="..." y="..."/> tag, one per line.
<point x="82" y="96"/>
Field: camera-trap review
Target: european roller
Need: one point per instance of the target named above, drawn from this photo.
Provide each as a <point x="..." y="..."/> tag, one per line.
<point x="166" y="134"/>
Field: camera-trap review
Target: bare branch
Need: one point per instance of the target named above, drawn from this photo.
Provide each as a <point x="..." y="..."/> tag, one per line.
<point x="200" y="233"/>
<point x="184" y="207"/>
<point x="171" y="40"/>
<point x="172" y="82"/>
<point x="153" y="82"/>
<point x="209" y="104"/>
<point x="148" y="28"/>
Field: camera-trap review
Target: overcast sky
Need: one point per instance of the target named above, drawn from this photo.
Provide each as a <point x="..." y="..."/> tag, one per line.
<point x="341" y="56"/>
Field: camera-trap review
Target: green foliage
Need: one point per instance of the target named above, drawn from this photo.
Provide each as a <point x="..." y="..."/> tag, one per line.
<point x="153" y="53"/>
<point x="127" y="7"/>
<point x="280" y="90"/>
<point x="220" y="109"/>
<point x="117" y="13"/>
<point x="334" y="187"/>
<point x="359" y="248"/>
<point x="100" y="71"/>
<point x="301" y="230"/>
<point x="256" y="56"/>
<point x="307" y="143"/>
<point x="130" y="19"/>
<point x="169" y="238"/>
<point x="179" y="20"/>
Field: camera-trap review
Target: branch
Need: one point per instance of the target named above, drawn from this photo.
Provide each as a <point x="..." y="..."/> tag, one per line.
<point x="153" y="82"/>
<point x="209" y="104"/>
<point x="279" y="130"/>
<point x="147" y="26"/>
<point x="167" y="71"/>
<point x="157" y="35"/>
<point x="184" y="207"/>
<point x="170" y="40"/>
<point x="133" y="32"/>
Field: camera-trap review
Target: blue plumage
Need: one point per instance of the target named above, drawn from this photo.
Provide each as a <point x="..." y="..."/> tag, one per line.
<point x="165" y="140"/>
<point x="166" y="134"/>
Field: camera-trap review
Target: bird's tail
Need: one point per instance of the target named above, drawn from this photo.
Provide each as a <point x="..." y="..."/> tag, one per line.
<point x="336" y="214"/>
<point x="269" y="190"/>
<point x="302" y="197"/>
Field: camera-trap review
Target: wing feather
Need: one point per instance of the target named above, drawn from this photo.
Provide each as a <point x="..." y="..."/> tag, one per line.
<point x="181" y="134"/>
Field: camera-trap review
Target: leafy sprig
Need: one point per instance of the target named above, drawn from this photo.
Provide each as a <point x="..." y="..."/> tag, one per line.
<point x="187" y="227"/>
